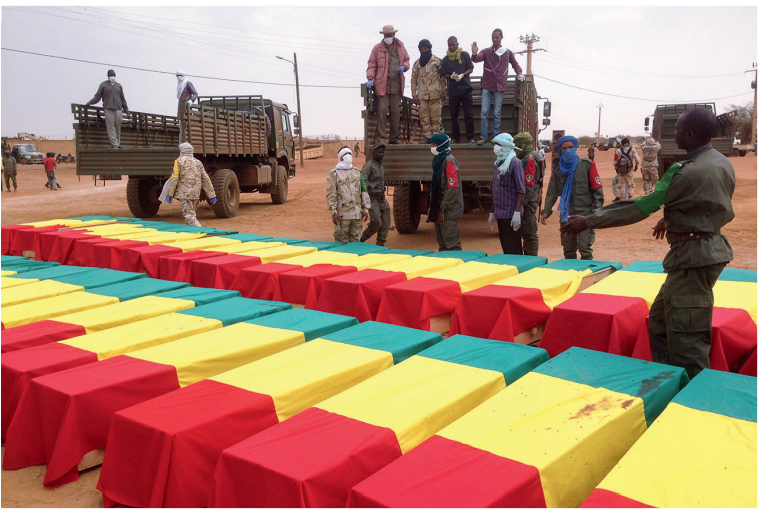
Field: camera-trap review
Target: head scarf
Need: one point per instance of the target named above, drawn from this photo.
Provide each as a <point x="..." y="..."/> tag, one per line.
<point x="456" y="55"/>
<point x="438" y="176"/>
<point x="568" y="161"/>
<point x="186" y="149"/>
<point x="427" y="55"/>
<point x="340" y="163"/>
<point x="505" y="141"/>
<point x="523" y="142"/>
<point x="625" y="141"/>
<point x="650" y="141"/>
<point x="181" y="83"/>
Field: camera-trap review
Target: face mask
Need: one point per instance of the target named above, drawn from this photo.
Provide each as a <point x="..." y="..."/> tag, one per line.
<point x="111" y="79"/>
<point x="569" y="157"/>
<point x="497" y="149"/>
<point x="180" y="78"/>
<point x="434" y="151"/>
<point x="389" y="40"/>
<point x="348" y="159"/>
<point x="500" y="50"/>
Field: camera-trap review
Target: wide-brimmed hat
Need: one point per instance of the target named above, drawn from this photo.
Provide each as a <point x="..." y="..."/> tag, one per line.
<point x="388" y="30"/>
<point x="378" y="145"/>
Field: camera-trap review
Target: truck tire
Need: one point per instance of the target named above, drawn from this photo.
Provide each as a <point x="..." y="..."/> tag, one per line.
<point x="404" y="210"/>
<point x="743" y="153"/>
<point x="735" y="152"/>
<point x="227" y="189"/>
<point x="281" y="186"/>
<point x="138" y="198"/>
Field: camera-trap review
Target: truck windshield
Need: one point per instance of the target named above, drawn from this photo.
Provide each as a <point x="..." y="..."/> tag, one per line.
<point x="27" y="148"/>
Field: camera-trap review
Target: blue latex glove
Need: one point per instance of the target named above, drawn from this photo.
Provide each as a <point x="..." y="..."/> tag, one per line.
<point x="213" y="200"/>
<point x="168" y="198"/>
<point x="401" y="69"/>
<point x="370" y="84"/>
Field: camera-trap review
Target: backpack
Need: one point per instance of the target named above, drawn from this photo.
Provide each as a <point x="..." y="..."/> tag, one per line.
<point x="624" y="162"/>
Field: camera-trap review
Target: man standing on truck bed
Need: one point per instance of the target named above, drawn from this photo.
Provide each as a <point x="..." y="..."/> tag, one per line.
<point x="577" y="182"/>
<point x="696" y="195"/>
<point x="346" y="198"/>
<point x="446" y="201"/>
<point x="114" y="103"/>
<point x="428" y="90"/>
<point x="188" y="179"/>
<point x="456" y="68"/>
<point x="185" y="93"/>
<point x="494" y="79"/>
<point x="386" y="65"/>
<point x="534" y="171"/>
<point x="373" y="178"/>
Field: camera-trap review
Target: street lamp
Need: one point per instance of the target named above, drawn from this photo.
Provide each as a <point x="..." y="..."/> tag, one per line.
<point x="299" y="112"/>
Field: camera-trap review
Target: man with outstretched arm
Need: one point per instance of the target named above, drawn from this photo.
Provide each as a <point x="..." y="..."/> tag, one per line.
<point x="696" y="196"/>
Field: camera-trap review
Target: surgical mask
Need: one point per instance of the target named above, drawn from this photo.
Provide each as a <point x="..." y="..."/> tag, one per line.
<point x="111" y="79"/>
<point x="500" y="51"/>
<point x="388" y="40"/>
<point x="434" y="151"/>
<point x="348" y="159"/>
<point x="180" y="78"/>
<point x="497" y="149"/>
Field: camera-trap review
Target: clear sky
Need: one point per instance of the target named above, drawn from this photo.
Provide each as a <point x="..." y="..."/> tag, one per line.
<point x="660" y="54"/>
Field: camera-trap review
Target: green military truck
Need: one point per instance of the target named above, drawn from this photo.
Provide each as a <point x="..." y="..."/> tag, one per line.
<point x="408" y="166"/>
<point x="664" y="121"/>
<point x="244" y="142"/>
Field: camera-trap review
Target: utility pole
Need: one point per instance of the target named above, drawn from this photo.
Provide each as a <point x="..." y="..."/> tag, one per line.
<point x="529" y="41"/>
<point x="754" y="85"/>
<point x="299" y="112"/>
<point x="599" y="111"/>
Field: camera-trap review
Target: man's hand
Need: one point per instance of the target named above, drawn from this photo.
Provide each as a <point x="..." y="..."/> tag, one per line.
<point x="442" y="96"/>
<point x="126" y="112"/>
<point x="401" y="69"/>
<point x="659" y="230"/>
<point x="543" y="218"/>
<point x="365" y="216"/>
<point x="335" y="218"/>
<point x="415" y="100"/>
<point x="441" y="218"/>
<point x="474" y="48"/>
<point x="168" y="199"/>
<point x="574" y="226"/>
<point x="520" y="78"/>
<point x="370" y="84"/>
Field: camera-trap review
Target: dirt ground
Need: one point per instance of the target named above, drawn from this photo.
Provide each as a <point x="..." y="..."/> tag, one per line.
<point x="305" y="216"/>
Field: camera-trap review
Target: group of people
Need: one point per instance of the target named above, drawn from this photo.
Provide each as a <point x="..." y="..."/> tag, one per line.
<point x="10" y="169"/>
<point x="433" y="79"/>
<point x="114" y="104"/>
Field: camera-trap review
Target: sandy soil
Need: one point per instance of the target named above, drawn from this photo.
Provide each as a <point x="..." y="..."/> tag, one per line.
<point x="305" y="216"/>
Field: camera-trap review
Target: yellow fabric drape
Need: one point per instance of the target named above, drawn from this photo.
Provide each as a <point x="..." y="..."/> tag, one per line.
<point x="555" y="285"/>
<point x="474" y="274"/>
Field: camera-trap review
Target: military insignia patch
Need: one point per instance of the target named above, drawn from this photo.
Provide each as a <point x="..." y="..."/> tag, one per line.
<point x="529" y="177"/>
<point x="597" y="180"/>
<point x="451" y="181"/>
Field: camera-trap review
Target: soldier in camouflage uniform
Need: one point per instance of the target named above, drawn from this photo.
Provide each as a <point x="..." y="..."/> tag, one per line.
<point x="373" y="177"/>
<point x="346" y="198"/>
<point x="626" y="163"/>
<point x="185" y="184"/>
<point x="428" y="90"/>
<point x="650" y="164"/>
<point x="534" y="171"/>
<point x="696" y="196"/>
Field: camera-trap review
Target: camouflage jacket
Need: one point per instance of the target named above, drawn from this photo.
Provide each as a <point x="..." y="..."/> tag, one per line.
<point x="346" y="193"/>
<point x="650" y="154"/>
<point x="426" y="82"/>
<point x="188" y="178"/>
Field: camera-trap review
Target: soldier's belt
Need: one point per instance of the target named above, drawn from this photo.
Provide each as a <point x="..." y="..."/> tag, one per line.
<point x="377" y="197"/>
<point x="673" y="238"/>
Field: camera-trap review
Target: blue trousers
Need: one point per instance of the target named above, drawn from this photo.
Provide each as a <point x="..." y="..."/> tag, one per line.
<point x="487" y="97"/>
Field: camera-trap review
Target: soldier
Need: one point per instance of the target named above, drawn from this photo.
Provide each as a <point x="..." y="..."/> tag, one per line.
<point x="577" y="182"/>
<point x="114" y="102"/>
<point x="346" y="198"/>
<point x="534" y="172"/>
<point x="446" y="201"/>
<point x="9" y="170"/>
<point x="386" y="65"/>
<point x="591" y="152"/>
<point x="650" y="164"/>
<point x="626" y="162"/>
<point x="5" y="146"/>
<point x="696" y="195"/>
<point x="373" y="177"/>
<point x="428" y="90"/>
<point x="186" y="182"/>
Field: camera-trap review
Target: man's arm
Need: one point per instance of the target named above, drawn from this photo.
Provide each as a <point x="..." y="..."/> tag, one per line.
<point x="405" y="58"/>
<point x="552" y="195"/>
<point x="466" y="60"/>
<point x="371" y="69"/>
<point x="192" y="91"/>
<point x="451" y="181"/>
<point x="331" y="192"/>
<point x="206" y="182"/>
<point x="514" y="63"/>
<point x="414" y="82"/>
<point x="98" y="96"/>
<point x="124" y="106"/>
<point x="479" y="57"/>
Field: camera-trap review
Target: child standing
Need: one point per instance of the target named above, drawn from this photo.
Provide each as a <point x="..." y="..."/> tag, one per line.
<point x="50" y="170"/>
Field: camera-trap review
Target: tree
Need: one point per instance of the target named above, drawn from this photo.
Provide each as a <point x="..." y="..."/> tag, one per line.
<point x="744" y="121"/>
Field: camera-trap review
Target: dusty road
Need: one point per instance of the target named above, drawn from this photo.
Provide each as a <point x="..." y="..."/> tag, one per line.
<point x="305" y="216"/>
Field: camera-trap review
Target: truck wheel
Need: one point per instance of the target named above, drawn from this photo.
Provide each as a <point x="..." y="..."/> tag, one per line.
<point x="138" y="198"/>
<point x="735" y="152"/>
<point x="279" y="195"/>
<point x="743" y="153"/>
<point x="404" y="209"/>
<point x="227" y="189"/>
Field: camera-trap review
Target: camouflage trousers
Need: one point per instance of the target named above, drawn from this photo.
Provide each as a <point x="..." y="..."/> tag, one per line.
<point x="430" y="114"/>
<point x="615" y="187"/>
<point x="649" y="177"/>
<point x="348" y="230"/>
<point x="379" y="221"/>
<point x="625" y="186"/>
<point x="189" y="207"/>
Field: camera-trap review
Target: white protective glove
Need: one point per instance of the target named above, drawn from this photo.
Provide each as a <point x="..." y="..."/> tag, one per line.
<point x="516" y="221"/>
<point x="491" y="220"/>
<point x="458" y="77"/>
<point x="520" y="78"/>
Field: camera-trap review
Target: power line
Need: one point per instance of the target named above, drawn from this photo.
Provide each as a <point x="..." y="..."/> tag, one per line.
<point x="171" y="72"/>
<point x="638" y="99"/>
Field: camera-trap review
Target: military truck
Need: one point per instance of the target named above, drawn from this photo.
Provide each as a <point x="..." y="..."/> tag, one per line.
<point x="664" y="121"/>
<point x="408" y="166"/>
<point x="612" y="143"/>
<point x="244" y="142"/>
